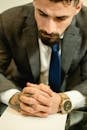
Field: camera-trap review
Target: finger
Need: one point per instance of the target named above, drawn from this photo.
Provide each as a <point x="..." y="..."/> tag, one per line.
<point x="42" y="99"/>
<point x="35" y="99"/>
<point x="41" y="108"/>
<point x="28" y="100"/>
<point x="27" y="108"/>
<point x="26" y="113"/>
<point x="33" y="90"/>
<point x="46" y="89"/>
<point x="41" y="114"/>
<point x="38" y="114"/>
<point x="42" y="87"/>
<point x="28" y="84"/>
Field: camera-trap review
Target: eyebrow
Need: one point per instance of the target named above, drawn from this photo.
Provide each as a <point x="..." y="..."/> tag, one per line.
<point x="58" y="17"/>
<point x="42" y="12"/>
<point x="63" y="17"/>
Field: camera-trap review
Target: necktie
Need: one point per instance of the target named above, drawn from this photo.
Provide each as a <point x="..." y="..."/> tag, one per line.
<point x="55" y="69"/>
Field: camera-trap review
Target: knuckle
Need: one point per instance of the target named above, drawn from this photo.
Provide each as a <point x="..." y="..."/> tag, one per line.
<point x="36" y="107"/>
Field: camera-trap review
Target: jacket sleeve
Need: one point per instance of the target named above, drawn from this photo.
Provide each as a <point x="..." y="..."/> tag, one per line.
<point x="5" y="59"/>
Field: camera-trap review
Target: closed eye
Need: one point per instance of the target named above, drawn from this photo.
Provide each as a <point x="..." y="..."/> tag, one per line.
<point x="42" y="13"/>
<point x="62" y="18"/>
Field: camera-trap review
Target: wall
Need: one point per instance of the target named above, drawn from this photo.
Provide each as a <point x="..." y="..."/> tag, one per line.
<point x="85" y="1"/>
<point x="5" y="4"/>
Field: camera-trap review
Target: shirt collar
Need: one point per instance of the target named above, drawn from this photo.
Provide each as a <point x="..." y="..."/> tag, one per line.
<point x="44" y="47"/>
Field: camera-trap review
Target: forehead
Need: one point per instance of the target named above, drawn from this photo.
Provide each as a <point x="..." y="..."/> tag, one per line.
<point x="53" y="8"/>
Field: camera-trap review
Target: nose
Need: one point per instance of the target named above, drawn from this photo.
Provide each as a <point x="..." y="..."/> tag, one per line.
<point x="51" y="26"/>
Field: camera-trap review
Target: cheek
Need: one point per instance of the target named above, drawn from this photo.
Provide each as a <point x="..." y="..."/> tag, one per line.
<point x="39" y="22"/>
<point x="62" y="26"/>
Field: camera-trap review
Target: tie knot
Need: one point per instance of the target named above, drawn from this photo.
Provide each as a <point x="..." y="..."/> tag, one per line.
<point x="55" y="47"/>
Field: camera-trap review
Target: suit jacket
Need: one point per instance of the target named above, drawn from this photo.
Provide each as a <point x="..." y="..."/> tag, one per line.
<point x="20" y="56"/>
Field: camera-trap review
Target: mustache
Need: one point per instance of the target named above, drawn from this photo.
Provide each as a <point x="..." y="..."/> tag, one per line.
<point x="45" y="34"/>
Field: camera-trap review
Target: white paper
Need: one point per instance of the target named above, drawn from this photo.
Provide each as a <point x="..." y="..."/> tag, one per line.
<point x="12" y="120"/>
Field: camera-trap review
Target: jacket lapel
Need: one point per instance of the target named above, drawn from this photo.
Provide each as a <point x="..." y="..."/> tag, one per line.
<point x="70" y="47"/>
<point x="32" y="46"/>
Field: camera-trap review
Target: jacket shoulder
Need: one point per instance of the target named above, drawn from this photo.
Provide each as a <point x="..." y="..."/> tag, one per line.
<point x="13" y="18"/>
<point x="82" y="20"/>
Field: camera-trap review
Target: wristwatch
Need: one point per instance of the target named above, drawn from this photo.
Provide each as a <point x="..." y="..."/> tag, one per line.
<point x="14" y="101"/>
<point x="65" y="105"/>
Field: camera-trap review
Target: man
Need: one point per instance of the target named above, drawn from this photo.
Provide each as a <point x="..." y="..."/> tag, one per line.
<point x="27" y="34"/>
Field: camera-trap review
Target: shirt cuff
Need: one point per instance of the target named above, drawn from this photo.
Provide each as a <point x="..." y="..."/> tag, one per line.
<point x="77" y="99"/>
<point x="5" y="96"/>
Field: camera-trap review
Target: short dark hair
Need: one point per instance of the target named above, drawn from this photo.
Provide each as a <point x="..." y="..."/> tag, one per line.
<point x="66" y="1"/>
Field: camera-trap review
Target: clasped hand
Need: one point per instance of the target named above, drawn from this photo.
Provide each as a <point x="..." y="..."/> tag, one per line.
<point x="39" y="100"/>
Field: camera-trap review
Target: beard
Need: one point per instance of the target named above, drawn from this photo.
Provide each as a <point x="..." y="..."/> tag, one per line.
<point x="49" y="39"/>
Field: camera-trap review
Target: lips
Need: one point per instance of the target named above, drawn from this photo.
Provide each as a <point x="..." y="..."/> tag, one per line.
<point x="49" y="36"/>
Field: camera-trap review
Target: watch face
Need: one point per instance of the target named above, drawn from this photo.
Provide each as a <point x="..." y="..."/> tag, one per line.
<point x="67" y="106"/>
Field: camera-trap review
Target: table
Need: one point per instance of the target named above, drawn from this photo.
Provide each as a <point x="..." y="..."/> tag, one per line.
<point x="78" y="125"/>
<point x="12" y="119"/>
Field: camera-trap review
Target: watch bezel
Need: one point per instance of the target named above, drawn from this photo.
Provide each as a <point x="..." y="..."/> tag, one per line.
<point x="66" y="106"/>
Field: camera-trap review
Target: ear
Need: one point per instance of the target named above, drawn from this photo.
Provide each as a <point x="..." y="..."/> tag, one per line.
<point x="79" y="6"/>
<point x="33" y="2"/>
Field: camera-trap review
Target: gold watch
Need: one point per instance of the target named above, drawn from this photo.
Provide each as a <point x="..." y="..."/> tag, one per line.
<point x="14" y="101"/>
<point x="65" y="105"/>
